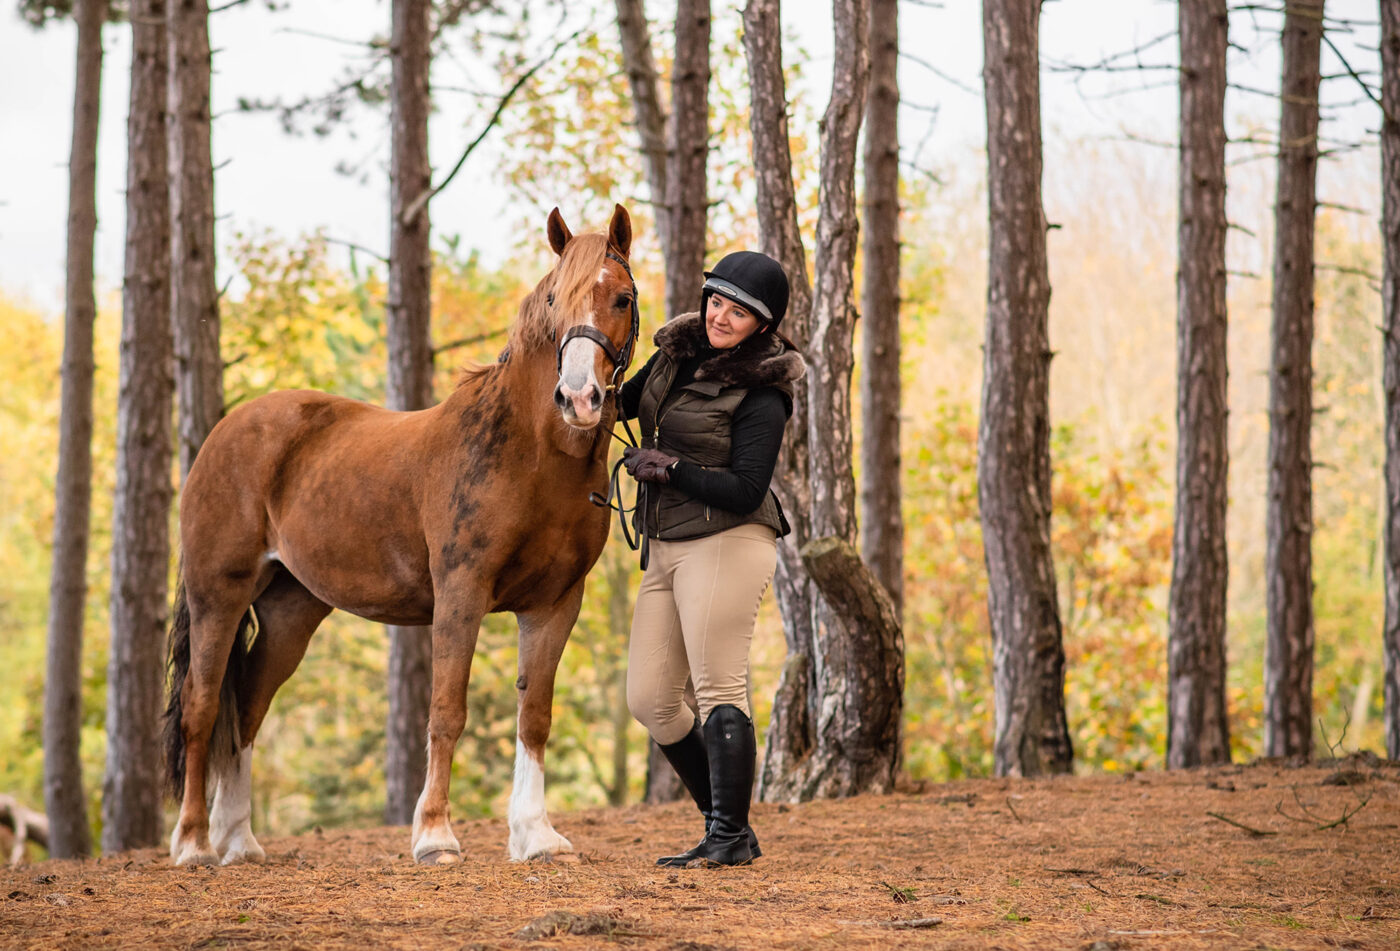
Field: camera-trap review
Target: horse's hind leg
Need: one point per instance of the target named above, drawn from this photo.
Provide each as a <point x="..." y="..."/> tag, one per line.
<point x="543" y="635"/>
<point x="287" y="616"/>
<point x="215" y="617"/>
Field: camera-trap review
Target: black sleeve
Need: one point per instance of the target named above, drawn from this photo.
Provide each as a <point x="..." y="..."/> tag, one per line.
<point x="756" y="437"/>
<point x="631" y="396"/>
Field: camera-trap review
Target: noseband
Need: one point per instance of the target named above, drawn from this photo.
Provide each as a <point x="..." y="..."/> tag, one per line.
<point x="621" y="359"/>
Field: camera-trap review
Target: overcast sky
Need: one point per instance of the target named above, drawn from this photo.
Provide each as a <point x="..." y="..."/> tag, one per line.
<point x="268" y="179"/>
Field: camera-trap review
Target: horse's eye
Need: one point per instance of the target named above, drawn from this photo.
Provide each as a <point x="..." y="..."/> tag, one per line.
<point x="549" y="299"/>
<point x="623" y="300"/>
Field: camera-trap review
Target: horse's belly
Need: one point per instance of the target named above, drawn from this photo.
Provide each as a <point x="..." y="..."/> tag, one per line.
<point x="385" y="581"/>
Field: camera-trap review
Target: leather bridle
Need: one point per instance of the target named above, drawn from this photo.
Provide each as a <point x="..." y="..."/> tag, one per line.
<point x="621" y="359"/>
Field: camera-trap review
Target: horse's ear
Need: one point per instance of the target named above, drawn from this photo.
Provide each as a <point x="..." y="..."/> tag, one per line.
<point x="620" y="231"/>
<point x="559" y="233"/>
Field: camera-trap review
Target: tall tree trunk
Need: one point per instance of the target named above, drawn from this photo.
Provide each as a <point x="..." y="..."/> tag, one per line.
<point x="648" y="112"/>
<point x="194" y="295"/>
<point x="131" y="814"/>
<point x="675" y="150"/>
<point x="1198" y="730"/>
<point x="410" y="379"/>
<point x="1288" y="666"/>
<point x="882" y="521"/>
<point x="64" y="801"/>
<point x="790" y="737"/>
<point x="1013" y="439"/>
<point x="843" y="738"/>
<point x="1390" y="229"/>
<point x="688" y="148"/>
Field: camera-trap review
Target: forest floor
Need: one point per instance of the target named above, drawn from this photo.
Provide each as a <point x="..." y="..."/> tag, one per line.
<point x="1239" y="857"/>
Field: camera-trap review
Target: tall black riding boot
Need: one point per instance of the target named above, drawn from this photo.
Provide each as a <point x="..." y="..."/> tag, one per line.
<point x="730" y="745"/>
<point x="688" y="758"/>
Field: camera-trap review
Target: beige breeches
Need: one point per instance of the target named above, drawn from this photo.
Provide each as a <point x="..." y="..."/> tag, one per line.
<point x="694" y="619"/>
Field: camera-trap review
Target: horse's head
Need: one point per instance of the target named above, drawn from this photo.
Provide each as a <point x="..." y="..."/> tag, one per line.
<point x="593" y="303"/>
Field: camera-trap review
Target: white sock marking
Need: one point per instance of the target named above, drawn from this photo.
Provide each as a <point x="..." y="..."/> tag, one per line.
<point x="531" y="834"/>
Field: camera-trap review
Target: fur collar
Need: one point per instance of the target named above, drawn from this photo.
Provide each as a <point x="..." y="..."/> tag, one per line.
<point x="761" y="360"/>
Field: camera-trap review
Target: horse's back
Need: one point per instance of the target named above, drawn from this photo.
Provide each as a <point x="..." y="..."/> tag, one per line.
<point x="325" y="486"/>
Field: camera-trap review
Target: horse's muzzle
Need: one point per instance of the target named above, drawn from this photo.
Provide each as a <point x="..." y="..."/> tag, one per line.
<point x="580" y="407"/>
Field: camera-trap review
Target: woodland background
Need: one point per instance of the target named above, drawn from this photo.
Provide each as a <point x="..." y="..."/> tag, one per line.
<point x="299" y="311"/>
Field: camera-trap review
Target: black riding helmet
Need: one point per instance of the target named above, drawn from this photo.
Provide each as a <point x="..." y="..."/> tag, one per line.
<point x="752" y="280"/>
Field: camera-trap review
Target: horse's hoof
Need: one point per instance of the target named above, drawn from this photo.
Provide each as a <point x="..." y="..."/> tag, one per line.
<point x="440" y="857"/>
<point x="196" y="858"/>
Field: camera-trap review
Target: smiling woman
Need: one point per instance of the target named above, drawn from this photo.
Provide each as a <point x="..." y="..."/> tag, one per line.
<point x="713" y="402"/>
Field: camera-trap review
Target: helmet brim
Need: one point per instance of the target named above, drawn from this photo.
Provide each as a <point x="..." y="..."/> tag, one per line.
<point x="718" y="285"/>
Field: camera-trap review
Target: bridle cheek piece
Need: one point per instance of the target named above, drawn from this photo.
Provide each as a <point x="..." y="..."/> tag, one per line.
<point x="621" y="359"/>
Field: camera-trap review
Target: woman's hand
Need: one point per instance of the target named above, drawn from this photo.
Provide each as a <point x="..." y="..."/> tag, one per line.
<point x="648" y="465"/>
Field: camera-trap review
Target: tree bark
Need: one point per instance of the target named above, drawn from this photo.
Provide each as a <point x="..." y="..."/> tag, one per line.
<point x="194" y="294"/>
<point x="70" y="835"/>
<point x="1288" y="665"/>
<point x="1198" y="730"/>
<point x="648" y="112"/>
<point x="882" y="521"/>
<point x="1013" y="439"/>
<point x="844" y="739"/>
<point x="131" y="815"/>
<point x="410" y="385"/>
<point x="676" y="150"/>
<point x="790" y="736"/>
<point x="1390" y="294"/>
<point x="688" y="146"/>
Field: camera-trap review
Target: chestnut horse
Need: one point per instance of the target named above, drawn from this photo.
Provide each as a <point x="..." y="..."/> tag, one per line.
<point x="300" y="502"/>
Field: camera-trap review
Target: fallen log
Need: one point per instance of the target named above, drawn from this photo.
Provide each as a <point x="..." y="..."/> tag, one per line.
<point x="26" y="824"/>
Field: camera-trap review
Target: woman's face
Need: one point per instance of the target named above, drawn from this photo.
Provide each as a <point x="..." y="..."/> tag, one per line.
<point x="728" y="324"/>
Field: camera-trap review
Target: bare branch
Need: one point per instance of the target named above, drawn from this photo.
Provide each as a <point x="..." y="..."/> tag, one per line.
<point x="940" y="73"/>
<point x="359" y="247"/>
<point x="411" y="212"/>
<point x="468" y="341"/>
<point x="1240" y="825"/>
<point x="1344" y="269"/>
<point x="1366" y="88"/>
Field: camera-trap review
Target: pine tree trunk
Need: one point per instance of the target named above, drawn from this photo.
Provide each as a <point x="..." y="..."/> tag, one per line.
<point x="1198" y="730"/>
<point x="1288" y="666"/>
<point x="647" y="110"/>
<point x="789" y="735"/>
<point x="69" y="833"/>
<point x="194" y="295"/>
<point x="844" y="739"/>
<point x="1390" y="230"/>
<point x="1013" y="440"/>
<point x="688" y="149"/>
<point x="882" y="521"/>
<point x="131" y="814"/>
<point x="676" y="150"/>
<point x="410" y="385"/>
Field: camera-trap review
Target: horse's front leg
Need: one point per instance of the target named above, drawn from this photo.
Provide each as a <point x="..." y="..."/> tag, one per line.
<point x="454" y="641"/>
<point x="543" y="634"/>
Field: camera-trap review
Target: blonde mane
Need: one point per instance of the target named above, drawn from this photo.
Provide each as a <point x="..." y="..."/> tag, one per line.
<point x="571" y="282"/>
<point x="537" y="324"/>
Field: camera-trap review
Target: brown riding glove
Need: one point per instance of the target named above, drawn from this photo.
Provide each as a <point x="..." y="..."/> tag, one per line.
<point x="648" y="465"/>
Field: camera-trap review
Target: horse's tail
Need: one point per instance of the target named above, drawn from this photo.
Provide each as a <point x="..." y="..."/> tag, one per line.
<point x="223" y="744"/>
